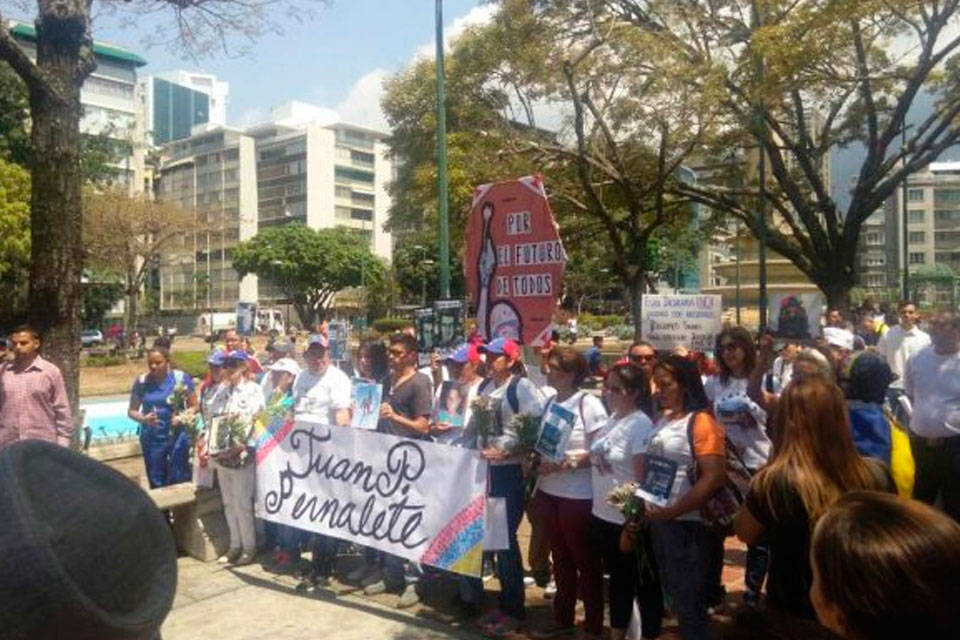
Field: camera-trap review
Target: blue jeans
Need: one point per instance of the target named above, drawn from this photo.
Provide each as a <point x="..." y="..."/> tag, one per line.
<point x="506" y="481"/>
<point x="683" y="551"/>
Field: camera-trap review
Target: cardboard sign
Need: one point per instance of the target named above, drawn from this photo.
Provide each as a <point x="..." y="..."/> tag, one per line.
<point x="514" y="263"/>
<point x="691" y="321"/>
<point x="422" y="501"/>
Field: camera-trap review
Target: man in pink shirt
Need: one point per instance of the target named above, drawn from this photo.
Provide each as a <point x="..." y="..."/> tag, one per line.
<point x="33" y="399"/>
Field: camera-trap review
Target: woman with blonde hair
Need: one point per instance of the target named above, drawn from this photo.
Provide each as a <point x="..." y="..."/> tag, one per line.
<point x="886" y="568"/>
<point x="816" y="463"/>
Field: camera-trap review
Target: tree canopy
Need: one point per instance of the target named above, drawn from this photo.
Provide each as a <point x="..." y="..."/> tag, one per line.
<point x="309" y="265"/>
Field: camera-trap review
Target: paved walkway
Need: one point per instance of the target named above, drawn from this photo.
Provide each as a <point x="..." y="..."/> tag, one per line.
<point x="215" y="602"/>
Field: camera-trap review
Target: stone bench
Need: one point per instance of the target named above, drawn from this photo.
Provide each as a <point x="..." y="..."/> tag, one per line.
<point x="199" y="526"/>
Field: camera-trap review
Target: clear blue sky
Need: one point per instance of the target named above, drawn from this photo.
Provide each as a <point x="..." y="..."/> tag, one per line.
<point x="319" y="61"/>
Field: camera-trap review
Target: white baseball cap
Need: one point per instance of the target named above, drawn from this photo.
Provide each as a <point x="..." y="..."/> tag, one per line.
<point x="837" y="337"/>
<point x="289" y="365"/>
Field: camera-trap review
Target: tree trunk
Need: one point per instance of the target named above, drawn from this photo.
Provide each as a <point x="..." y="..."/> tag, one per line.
<point x="56" y="208"/>
<point x="634" y="293"/>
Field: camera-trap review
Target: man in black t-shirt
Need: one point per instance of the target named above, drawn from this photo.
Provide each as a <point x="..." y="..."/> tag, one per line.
<point x="407" y="395"/>
<point x="405" y="413"/>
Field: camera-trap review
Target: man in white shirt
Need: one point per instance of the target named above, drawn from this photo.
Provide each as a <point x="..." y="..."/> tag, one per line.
<point x="321" y="393"/>
<point x="897" y="346"/>
<point x="933" y="386"/>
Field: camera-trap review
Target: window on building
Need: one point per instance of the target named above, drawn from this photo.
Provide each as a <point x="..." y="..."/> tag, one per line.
<point x="946" y="196"/>
<point x="874" y="237"/>
<point x="876" y="261"/>
<point x="342" y="192"/>
<point x="947" y="215"/>
<point x="916" y="215"/>
<point x="915" y="195"/>
<point x="917" y="257"/>
<point x="917" y="237"/>
<point x="342" y="212"/>
<point x="875" y="280"/>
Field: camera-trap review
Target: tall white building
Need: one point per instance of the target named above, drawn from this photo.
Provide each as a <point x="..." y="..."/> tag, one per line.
<point x="110" y="100"/>
<point x="302" y="166"/>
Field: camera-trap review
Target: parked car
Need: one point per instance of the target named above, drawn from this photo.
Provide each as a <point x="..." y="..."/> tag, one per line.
<point x="91" y="338"/>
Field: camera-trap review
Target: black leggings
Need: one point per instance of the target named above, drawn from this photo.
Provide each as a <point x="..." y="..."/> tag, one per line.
<point x="625" y="583"/>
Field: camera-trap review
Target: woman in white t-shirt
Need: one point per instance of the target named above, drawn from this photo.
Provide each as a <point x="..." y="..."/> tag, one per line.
<point x="617" y="458"/>
<point x="744" y="422"/>
<point x="238" y="398"/>
<point x="565" y="497"/>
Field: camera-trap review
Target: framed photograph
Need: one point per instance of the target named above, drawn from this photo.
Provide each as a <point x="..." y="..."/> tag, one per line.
<point x="452" y="405"/>
<point x="657" y="482"/>
<point x="557" y="427"/>
<point x="339" y="336"/>
<point x="366" y="397"/>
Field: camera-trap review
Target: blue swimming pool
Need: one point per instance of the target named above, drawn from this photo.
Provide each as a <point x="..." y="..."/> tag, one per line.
<point x="107" y="419"/>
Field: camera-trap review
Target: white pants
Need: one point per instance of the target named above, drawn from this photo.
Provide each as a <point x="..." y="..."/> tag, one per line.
<point x="237" y="491"/>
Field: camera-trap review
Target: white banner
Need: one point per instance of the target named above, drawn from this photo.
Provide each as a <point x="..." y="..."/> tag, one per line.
<point x="678" y="320"/>
<point x="418" y="500"/>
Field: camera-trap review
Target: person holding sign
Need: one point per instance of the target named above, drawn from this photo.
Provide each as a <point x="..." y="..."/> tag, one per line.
<point x="617" y="458"/>
<point x="686" y="435"/>
<point x="510" y="396"/>
<point x="571" y="422"/>
<point x="404" y="412"/>
<point x="464" y="365"/>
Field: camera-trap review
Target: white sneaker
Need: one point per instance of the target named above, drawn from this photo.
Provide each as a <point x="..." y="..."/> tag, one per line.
<point x="550" y="590"/>
<point x="528" y="581"/>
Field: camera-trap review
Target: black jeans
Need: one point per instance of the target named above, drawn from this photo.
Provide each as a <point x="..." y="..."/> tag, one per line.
<point x="937" y="472"/>
<point x="625" y="580"/>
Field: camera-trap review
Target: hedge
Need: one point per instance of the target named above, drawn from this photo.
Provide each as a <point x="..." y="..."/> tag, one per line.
<point x="389" y="325"/>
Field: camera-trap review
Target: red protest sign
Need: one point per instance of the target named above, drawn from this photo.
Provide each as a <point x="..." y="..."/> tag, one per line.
<point x="514" y="262"/>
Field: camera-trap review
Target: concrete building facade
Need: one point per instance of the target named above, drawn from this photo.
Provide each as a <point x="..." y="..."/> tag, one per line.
<point x="295" y="168"/>
<point x="933" y="230"/>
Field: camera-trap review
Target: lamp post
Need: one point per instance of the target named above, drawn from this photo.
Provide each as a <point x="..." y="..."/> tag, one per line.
<point x="442" y="214"/>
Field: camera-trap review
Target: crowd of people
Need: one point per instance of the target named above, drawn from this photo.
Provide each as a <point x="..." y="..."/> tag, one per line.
<point x="836" y="462"/>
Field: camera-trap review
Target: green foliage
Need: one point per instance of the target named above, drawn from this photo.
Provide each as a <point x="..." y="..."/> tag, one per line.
<point x="14" y="118"/>
<point x="310" y="266"/>
<point x="102" y="361"/>
<point x="99" y="296"/>
<point x="590" y="322"/>
<point x="389" y="325"/>
<point x="14" y="239"/>
<point x="193" y="363"/>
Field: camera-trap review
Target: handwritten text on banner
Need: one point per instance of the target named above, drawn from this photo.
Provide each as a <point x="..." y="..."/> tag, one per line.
<point x="690" y="321"/>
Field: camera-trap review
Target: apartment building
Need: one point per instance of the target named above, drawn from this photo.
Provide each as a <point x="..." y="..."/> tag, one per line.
<point x="111" y="104"/>
<point x="933" y="229"/>
<point x="301" y="166"/>
<point x="212" y="174"/>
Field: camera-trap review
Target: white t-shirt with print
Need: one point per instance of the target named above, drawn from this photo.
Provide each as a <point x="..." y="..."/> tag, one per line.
<point x="315" y="397"/>
<point x="245" y="399"/>
<point x="618" y="441"/>
<point x="743" y="420"/>
<point x="589" y="416"/>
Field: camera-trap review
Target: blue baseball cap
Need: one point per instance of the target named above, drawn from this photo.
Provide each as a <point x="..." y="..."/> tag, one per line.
<point x="502" y="346"/>
<point x="465" y="353"/>
<point x="237" y="355"/>
<point x="216" y="358"/>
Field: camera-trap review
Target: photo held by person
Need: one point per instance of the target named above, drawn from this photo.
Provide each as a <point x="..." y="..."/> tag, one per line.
<point x="886" y="568"/>
<point x="564" y="496"/>
<point x="509" y="395"/>
<point x="33" y="398"/>
<point x="616" y="457"/>
<point x="157" y="397"/>
<point x="815" y="463"/>
<point x="933" y="386"/>
<point x="235" y="404"/>
<point x="689" y="442"/>
<point x="744" y="423"/>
